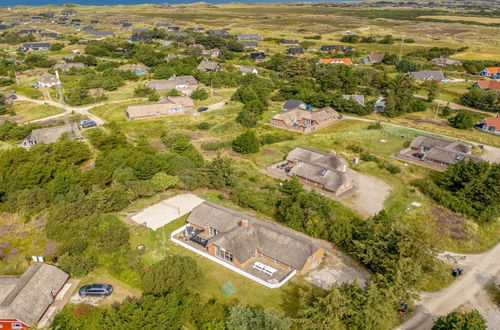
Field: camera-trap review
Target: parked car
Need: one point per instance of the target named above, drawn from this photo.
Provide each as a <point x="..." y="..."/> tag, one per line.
<point x="96" y="290"/>
<point x="34" y="86"/>
<point x="457" y="272"/>
<point x="201" y="109"/>
<point x="87" y="123"/>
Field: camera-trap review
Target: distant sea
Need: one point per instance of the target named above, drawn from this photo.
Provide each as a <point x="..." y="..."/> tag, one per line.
<point x="138" y="2"/>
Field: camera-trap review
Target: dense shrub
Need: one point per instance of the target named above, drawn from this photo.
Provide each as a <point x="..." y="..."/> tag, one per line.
<point x="246" y="143"/>
<point x="170" y="274"/>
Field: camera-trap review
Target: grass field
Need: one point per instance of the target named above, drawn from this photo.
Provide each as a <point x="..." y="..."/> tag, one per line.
<point x="479" y="19"/>
<point x="27" y="111"/>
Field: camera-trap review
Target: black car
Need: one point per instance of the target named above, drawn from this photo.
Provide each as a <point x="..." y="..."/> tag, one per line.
<point x="457" y="272"/>
<point x="201" y="109"/>
<point x="96" y="290"/>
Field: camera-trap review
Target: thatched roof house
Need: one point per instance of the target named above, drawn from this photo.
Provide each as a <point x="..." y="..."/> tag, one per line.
<point x="439" y="152"/>
<point x="48" y="80"/>
<point x="138" y="69"/>
<point x="51" y="135"/>
<point x="26" y="298"/>
<point x="68" y="66"/>
<point x="167" y="106"/>
<point x="209" y="66"/>
<point x="305" y="121"/>
<point x="246" y="238"/>
<point x="321" y="170"/>
<point x="185" y="84"/>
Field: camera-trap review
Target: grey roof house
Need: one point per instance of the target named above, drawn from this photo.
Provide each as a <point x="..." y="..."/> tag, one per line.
<point x="436" y="152"/>
<point x="324" y="171"/>
<point x="184" y="84"/>
<point x="360" y="99"/>
<point x="446" y="61"/>
<point x="68" y="66"/>
<point x="26" y="298"/>
<point x="36" y="46"/>
<point x="242" y="37"/>
<point x="427" y="75"/>
<point x="292" y="104"/>
<point x="209" y="66"/>
<point x="222" y="32"/>
<point x="373" y="58"/>
<point x="51" y="134"/>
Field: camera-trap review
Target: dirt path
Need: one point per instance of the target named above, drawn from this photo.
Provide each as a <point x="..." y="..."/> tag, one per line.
<point x="455" y="105"/>
<point x="369" y="198"/>
<point x="468" y="291"/>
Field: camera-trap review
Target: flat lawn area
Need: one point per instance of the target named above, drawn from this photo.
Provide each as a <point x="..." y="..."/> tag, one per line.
<point x="27" y="111"/>
<point x="219" y="95"/>
<point x="450" y="92"/>
<point x="113" y="112"/>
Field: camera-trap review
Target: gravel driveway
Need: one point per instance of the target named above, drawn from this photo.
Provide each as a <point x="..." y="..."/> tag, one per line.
<point x="370" y="197"/>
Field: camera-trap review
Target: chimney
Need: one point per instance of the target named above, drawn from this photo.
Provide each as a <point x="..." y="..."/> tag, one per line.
<point x="244" y="223"/>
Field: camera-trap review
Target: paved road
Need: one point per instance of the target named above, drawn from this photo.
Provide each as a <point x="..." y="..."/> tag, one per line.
<point x="456" y="106"/>
<point x="468" y="290"/>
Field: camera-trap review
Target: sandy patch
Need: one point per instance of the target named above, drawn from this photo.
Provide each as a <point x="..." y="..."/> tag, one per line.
<point x="336" y="268"/>
<point x="158" y="215"/>
<point x="370" y="197"/>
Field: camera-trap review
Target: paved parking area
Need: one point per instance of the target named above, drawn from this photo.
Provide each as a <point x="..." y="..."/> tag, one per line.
<point x="158" y="215"/>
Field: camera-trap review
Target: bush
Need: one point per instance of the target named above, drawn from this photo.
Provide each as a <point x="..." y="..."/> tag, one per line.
<point x="388" y="39"/>
<point x="199" y="94"/>
<point x="462" y="120"/>
<point x="77" y="265"/>
<point x="204" y="126"/>
<point x="375" y="125"/>
<point x="143" y="91"/>
<point x="162" y="181"/>
<point x="246" y="143"/>
<point x="172" y="273"/>
<point x="393" y="169"/>
<point x="367" y="157"/>
<point x="461" y="321"/>
<point x="274" y="138"/>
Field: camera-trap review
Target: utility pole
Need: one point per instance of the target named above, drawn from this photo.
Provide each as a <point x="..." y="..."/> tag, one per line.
<point x="401" y="47"/>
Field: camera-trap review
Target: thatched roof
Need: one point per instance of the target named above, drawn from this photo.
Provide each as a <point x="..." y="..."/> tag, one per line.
<point x="319" y="116"/>
<point x="427" y="75"/>
<point x="326" y="169"/>
<point x="27" y="297"/>
<point x="271" y="239"/>
<point x="134" y="68"/>
<point x="172" y="83"/>
<point x="206" y="65"/>
<point x="155" y="109"/>
<point x="47" y="78"/>
<point x="52" y="134"/>
<point x="443" y="150"/>
<point x="68" y="66"/>
<point x="184" y="101"/>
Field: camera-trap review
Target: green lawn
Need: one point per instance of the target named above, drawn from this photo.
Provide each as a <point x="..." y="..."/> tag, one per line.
<point x="27" y="111"/>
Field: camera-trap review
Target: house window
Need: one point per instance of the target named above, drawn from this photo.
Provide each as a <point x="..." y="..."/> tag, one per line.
<point x="212" y="231"/>
<point x="291" y="268"/>
<point x="17" y="326"/>
<point x="443" y="164"/>
<point x="224" y="255"/>
<point x="277" y="262"/>
<point x="309" y="122"/>
<point x="429" y="160"/>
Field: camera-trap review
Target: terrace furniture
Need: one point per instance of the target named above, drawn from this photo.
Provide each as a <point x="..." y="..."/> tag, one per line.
<point x="263" y="268"/>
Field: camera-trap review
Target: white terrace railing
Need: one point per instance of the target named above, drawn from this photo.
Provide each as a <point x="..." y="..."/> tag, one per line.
<point x="229" y="266"/>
